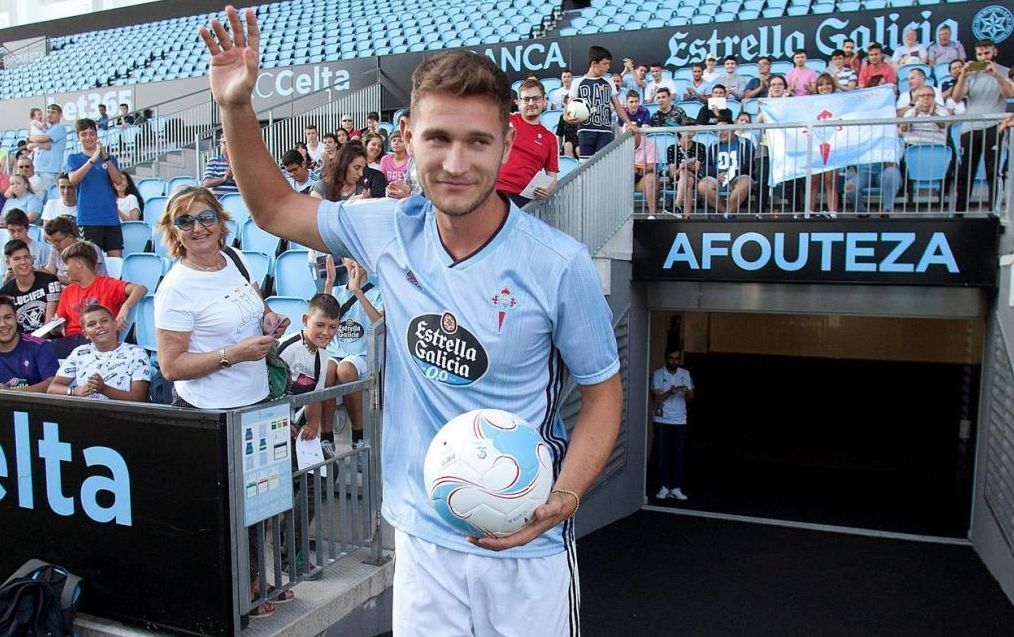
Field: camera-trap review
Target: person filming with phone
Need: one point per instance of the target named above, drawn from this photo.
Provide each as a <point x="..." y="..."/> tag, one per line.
<point x="671" y="388"/>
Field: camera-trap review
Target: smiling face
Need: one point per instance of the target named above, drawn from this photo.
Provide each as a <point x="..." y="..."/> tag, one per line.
<point x="20" y="263"/>
<point x="730" y="67"/>
<point x="458" y="145"/>
<point x="318" y="328"/>
<point x="8" y="327"/>
<point x="100" y="329"/>
<point x="530" y="104"/>
<point x="825" y="86"/>
<point x="89" y="139"/>
<point x="777" y="87"/>
<point x="200" y="240"/>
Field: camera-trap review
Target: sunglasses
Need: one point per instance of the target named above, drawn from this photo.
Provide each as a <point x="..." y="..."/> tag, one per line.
<point x="206" y="218"/>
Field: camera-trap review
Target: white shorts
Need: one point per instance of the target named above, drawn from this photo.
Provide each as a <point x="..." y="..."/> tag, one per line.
<point x="357" y="361"/>
<point x="439" y="592"/>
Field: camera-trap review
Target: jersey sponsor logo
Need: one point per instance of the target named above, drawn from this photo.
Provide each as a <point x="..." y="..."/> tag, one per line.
<point x="445" y="351"/>
<point x="350" y="330"/>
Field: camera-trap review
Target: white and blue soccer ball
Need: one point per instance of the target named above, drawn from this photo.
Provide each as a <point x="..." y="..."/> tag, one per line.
<point x="486" y="472"/>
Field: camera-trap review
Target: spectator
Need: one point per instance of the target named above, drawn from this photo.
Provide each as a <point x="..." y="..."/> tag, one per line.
<point x="16" y="222"/>
<point x="35" y="293"/>
<point x="65" y="205"/>
<point x="698" y="88"/>
<point x="846" y="78"/>
<point x="657" y="82"/>
<point x="727" y="184"/>
<point x="20" y="197"/>
<point x="5" y="180"/>
<point x="947" y="86"/>
<point x="376" y="183"/>
<point x="102" y="122"/>
<point x="373" y="127"/>
<point x="645" y="171"/>
<point x="787" y="190"/>
<point x="103" y="368"/>
<point x="218" y="173"/>
<point x="827" y="180"/>
<point x="916" y="82"/>
<point x="617" y="80"/>
<point x="928" y="132"/>
<point x="667" y="114"/>
<point x="848" y="47"/>
<point x="635" y="112"/>
<point x="685" y="160"/>
<point x="212" y="326"/>
<point x="94" y="172"/>
<point x="61" y="233"/>
<point x="26" y="168"/>
<point x="716" y="108"/>
<point x="394" y="165"/>
<point x="884" y="176"/>
<point x="758" y="86"/>
<point x="87" y="287"/>
<point x="49" y="161"/>
<point x="671" y="388"/>
<point x="301" y="148"/>
<point x="362" y="306"/>
<point x="634" y="78"/>
<point x="532" y="151"/>
<point x="128" y="201"/>
<point x="331" y="147"/>
<point x="314" y="149"/>
<point x="985" y="89"/>
<point x="801" y="78"/>
<point x="945" y="49"/>
<point x="735" y="85"/>
<point x="597" y="131"/>
<point x="123" y="118"/>
<point x="349" y="126"/>
<point x="342" y="179"/>
<point x="711" y="72"/>
<point x="876" y="66"/>
<point x="558" y="97"/>
<point x="26" y="363"/>
<point x="374" y="145"/>
<point x="298" y="176"/>
<point x="911" y="52"/>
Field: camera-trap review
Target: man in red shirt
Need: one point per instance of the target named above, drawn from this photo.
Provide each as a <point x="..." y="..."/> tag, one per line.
<point x="877" y="65"/>
<point x="534" y="148"/>
<point x="87" y="288"/>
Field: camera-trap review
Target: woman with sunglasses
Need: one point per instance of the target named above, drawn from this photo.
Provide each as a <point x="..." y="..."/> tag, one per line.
<point x="212" y="326"/>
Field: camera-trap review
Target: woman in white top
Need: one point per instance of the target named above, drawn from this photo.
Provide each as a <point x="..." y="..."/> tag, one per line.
<point x="127" y="203"/>
<point x="212" y="327"/>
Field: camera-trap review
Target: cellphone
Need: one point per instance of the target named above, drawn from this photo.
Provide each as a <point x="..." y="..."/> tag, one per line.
<point x="974" y="67"/>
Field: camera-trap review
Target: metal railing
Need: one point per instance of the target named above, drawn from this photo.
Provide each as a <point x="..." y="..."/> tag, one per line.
<point x="341" y="509"/>
<point x="918" y="176"/>
<point x="593" y="201"/>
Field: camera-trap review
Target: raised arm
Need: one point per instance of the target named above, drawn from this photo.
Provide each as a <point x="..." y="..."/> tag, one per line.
<point x="273" y="205"/>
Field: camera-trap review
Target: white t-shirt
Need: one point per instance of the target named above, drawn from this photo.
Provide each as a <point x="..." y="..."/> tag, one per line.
<point x="56" y="208"/>
<point x="652" y="86"/>
<point x="672" y="410"/>
<point x="315" y="154"/>
<point x="126" y="204"/>
<point x="308" y="370"/>
<point x="118" y="368"/>
<point x="218" y="309"/>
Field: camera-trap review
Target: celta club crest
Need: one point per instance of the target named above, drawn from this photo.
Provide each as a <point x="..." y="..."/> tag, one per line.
<point x="824" y="134"/>
<point x="504" y="301"/>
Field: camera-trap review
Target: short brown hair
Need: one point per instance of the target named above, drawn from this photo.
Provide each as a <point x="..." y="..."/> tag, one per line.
<point x="181" y="201"/>
<point x="532" y="83"/>
<point x="80" y="250"/>
<point x="84" y="124"/>
<point x="463" y="74"/>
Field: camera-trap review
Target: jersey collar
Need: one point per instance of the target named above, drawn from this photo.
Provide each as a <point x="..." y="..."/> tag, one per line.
<point x="498" y="237"/>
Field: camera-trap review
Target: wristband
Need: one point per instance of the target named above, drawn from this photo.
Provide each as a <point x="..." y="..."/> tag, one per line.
<point x="577" y="499"/>
<point x="70" y="392"/>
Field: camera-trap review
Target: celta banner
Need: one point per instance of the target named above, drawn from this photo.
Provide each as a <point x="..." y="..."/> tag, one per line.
<point x="830" y="143"/>
<point x="938" y="252"/>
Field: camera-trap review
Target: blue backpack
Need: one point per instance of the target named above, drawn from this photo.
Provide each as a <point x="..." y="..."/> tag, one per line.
<point x="39" y="600"/>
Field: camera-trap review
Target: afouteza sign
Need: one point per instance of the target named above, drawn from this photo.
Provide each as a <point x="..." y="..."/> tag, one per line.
<point x="939" y="252"/>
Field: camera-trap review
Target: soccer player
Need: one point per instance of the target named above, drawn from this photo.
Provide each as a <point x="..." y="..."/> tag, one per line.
<point x="486" y="307"/>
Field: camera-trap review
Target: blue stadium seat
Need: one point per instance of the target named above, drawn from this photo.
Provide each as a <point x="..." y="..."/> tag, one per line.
<point x="146" y="269"/>
<point x="114" y="266"/>
<point x="151" y="187"/>
<point x="144" y="333"/>
<point x="292" y="307"/>
<point x="236" y="207"/>
<point x="550" y="119"/>
<point x="252" y="237"/>
<point x="692" y="108"/>
<point x="292" y="275"/>
<point x="260" y="267"/>
<point x="136" y="235"/>
<point x="567" y="164"/>
<point x="926" y="166"/>
<point x="153" y="209"/>
<point x="179" y="182"/>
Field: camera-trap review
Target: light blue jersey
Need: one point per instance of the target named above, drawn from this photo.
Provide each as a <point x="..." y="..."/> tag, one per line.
<point x="495" y="330"/>
<point x="350" y="339"/>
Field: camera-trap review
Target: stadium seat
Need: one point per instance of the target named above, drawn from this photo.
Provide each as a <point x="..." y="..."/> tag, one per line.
<point x="292" y="307"/>
<point x="260" y="267"/>
<point x="691" y="108"/>
<point x="144" y="268"/>
<point x="567" y="164"/>
<point x="252" y="237"/>
<point x="153" y="209"/>
<point x="144" y="323"/>
<point x="292" y="275"/>
<point x="236" y="207"/>
<point x="136" y="235"/>
<point x="179" y="182"/>
<point x="114" y="266"/>
<point x="926" y="167"/>
<point x="550" y="119"/>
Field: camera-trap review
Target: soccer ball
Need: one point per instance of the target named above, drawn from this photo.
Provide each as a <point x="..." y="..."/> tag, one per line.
<point x="486" y="472"/>
<point x="578" y="108"/>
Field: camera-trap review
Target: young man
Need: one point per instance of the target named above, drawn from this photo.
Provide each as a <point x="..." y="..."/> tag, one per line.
<point x="26" y="363"/>
<point x="313" y="146"/>
<point x="361" y="306"/>
<point x="65" y="205"/>
<point x="671" y="389"/>
<point x="758" y="86"/>
<point x="729" y="164"/>
<point x="842" y="72"/>
<point x="49" y="161"/>
<point x="35" y="293"/>
<point x="594" y="134"/>
<point x="103" y="368"/>
<point x="802" y="79"/>
<point x="558" y="97"/>
<point x="534" y="147"/>
<point x="635" y="112"/>
<point x="17" y="227"/>
<point x="667" y="114"/>
<point x="657" y="82"/>
<point x="852" y="59"/>
<point x="735" y="85"/>
<point x="86" y="288"/>
<point x="876" y="66"/>
<point x="218" y="173"/>
<point x="634" y="77"/>
<point x="448" y="265"/>
<point x="94" y="171"/>
<point x="712" y="113"/>
<point x="61" y="233"/>
<point x="711" y="70"/>
<point x="297" y="174"/>
<point x="103" y="119"/>
<point x="699" y="88"/>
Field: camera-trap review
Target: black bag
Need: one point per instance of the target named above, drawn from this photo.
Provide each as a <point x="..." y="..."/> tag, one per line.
<point x="39" y="600"/>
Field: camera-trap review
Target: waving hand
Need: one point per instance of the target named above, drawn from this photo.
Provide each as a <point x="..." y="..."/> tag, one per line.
<point x="234" y="58"/>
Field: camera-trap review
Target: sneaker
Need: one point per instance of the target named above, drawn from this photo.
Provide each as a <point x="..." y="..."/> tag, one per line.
<point x="650" y="217"/>
<point x="832" y="214"/>
<point x="327" y="446"/>
<point x="359" y="444"/>
<point x="677" y="494"/>
<point x="662" y="494"/>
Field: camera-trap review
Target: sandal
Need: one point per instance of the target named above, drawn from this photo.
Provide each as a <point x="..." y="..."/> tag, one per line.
<point x="281" y="598"/>
<point x="264" y="610"/>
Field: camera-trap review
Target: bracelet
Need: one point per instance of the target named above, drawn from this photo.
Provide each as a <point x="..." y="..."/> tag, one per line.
<point x="577" y="499"/>
<point x="70" y="392"/>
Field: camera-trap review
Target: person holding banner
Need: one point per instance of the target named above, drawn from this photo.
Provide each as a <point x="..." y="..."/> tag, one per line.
<point x="827" y="180"/>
